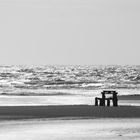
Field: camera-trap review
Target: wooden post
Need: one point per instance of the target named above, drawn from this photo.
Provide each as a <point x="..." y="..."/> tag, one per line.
<point x="115" y="99"/>
<point x="103" y="99"/>
<point x="101" y="103"/>
<point x="108" y="102"/>
<point x="96" y="101"/>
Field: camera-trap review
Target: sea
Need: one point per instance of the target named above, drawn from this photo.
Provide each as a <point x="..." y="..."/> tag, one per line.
<point x="65" y="84"/>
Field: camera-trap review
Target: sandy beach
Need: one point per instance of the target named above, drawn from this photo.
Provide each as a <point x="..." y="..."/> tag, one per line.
<point x="69" y="110"/>
<point x="83" y="129"/>
<point x="66" y="122"/>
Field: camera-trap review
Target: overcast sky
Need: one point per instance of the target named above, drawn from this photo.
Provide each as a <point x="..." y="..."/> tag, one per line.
<point x="70" y="32"/>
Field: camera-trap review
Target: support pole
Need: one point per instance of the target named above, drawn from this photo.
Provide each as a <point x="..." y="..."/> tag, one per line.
<point x="96" y="101"/>
<point x="115" y="99"/>
<point x="101" y="103"/>
<point x="103" y="99"/>
<point x="108" y="102"/>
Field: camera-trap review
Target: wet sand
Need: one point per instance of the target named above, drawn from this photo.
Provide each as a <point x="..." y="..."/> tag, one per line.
<point x="81" y="110"/>
<point x="87" y="111"/>
<point x="129" y="97"/>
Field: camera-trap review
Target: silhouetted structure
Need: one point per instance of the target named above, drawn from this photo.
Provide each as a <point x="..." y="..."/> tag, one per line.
<point x="102" y="101"/>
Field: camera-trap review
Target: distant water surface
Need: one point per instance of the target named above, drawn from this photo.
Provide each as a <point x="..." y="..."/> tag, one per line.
<point x="56" y="79"/>
<point x="65" y="85"/>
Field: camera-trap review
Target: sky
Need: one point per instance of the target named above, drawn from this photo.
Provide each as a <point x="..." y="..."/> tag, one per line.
<point x="75" y="32"/>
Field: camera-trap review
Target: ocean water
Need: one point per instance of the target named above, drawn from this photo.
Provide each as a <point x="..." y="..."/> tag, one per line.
<point x="65" y="84"/>
<point x="66" y="79"/>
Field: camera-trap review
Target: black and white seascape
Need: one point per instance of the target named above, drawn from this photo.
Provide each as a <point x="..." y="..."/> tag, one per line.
<point x="65" y="84"/>
<point x="69" y="69"/>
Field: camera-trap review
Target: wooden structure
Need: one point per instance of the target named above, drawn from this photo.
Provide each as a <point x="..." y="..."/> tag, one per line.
<point x="102" y="101"/>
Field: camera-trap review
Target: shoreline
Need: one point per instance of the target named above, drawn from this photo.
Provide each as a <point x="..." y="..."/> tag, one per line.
<point x="120" y="97"/>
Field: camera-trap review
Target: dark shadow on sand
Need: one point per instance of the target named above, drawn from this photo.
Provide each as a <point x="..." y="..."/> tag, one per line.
<point x="17" y="112"/>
